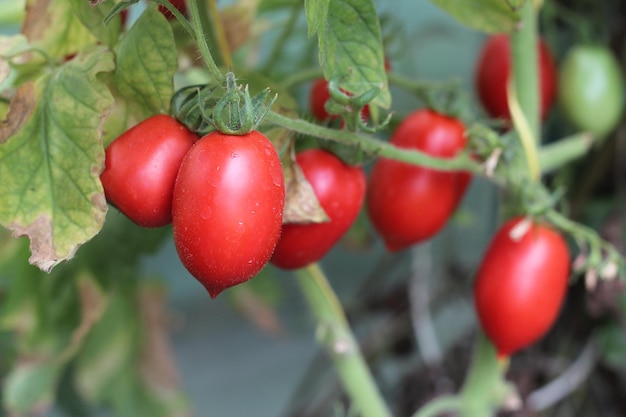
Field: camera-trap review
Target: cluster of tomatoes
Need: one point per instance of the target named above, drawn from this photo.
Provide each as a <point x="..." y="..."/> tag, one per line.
<point x="224" y="195"/>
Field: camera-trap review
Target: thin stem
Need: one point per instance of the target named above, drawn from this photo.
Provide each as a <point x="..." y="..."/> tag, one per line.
<point x="220" y="33"/>
<point x="334" y="332"/>
<point x="375" y="146"/>
<point x="563" y="151"/>
<point x="199" y="26"/>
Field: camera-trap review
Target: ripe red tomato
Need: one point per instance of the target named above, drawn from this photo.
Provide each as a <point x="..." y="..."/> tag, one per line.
<point x="228" y="208"/>
<point x="180" y="5"/>
<point x="520" y="285"/>
<point x="340" y="189"/>
<point x="408" y="204"/>
<point x="492" y="73"/>
<point x="141" y="167"/>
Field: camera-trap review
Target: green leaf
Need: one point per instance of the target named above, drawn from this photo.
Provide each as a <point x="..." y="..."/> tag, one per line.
<point x="491" y="16"/>
<point x="51" y="157"/>
<point x="316" y="12"/>
<point x="52" y="26"/>
<point x="351" y="50"/>
<point x="146" y="64"/>
<point x="92" y="17"/>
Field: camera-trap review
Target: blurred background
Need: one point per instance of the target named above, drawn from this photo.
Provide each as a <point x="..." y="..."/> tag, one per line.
<point x="252" y="351"/>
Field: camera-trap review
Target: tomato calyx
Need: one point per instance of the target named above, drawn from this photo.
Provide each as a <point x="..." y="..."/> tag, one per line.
<point x="234" y="113"/>
<point x="353" y="109"/>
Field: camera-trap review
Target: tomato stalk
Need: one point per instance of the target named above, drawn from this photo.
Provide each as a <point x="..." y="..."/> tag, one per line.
<point x="526" y="84"/>
<point x="199" y="24"/>
<point x="369" y="144"/>
<point x="563" y="151"/>
<point x="334" y="332"/>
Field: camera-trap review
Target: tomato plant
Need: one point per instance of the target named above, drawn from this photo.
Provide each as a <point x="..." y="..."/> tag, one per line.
<point x="141" y="167"/>
<point x="493" y="69"/>
<point x="228" y="208"/>
<point x="521" y="284"/>
<point x="591" y="88"/>
<point x="408" y="204"/>
<point x="340" y="190"/>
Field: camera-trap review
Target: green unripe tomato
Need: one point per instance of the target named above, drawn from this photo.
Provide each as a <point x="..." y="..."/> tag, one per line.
<point x="591" y="89"/>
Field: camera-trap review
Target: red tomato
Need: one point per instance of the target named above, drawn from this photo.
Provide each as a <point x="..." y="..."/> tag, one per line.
<point x="408" y="204"/>
<point x="141" y="167"/>
<point x="340" y="189"/>
<point x="494" y="68"/>
<point x="520" y="285"/>
<point x="180" y="5"/>
<point x="228" y="208"/>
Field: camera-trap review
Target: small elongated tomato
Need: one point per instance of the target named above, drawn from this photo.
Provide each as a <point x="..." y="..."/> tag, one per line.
<point x="591" y="89"/>
<point x="408" y="204"/>
<point x="228" y="208"/>
<point x="521" y="284"/>
<point x="141" y="167"/>
<point x="493" y="70"/>
<point x="340" y="190"/>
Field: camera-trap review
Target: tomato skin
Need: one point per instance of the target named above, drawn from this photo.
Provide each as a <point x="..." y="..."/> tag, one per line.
<point x="520" y="285"/>
<point x="493" y="69"/>
<point x="408" y="204"/>
<point x="141" y="167"/>
<point x="340" y="189"/>
<point x="228" y="208"/>
<point x="591" y="89"/>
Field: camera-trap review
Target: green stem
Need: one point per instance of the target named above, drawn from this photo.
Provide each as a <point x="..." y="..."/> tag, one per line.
<point x="559" y="153"/>
<point x="375" y="146"/>
<point x="200" y="27"/>
<point x="524" y="58"/>
<point x="523" y="93"/>
<point x="335" y="333"/>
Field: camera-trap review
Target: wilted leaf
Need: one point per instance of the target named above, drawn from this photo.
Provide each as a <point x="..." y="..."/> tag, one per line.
<point x="491" y="16"/>
<point x="52" y="26"/>
<point x="351" y="49"/>
<point x="51" y="157"/>
<point x="301" y="203"/>
<point x="146" y="64"/>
